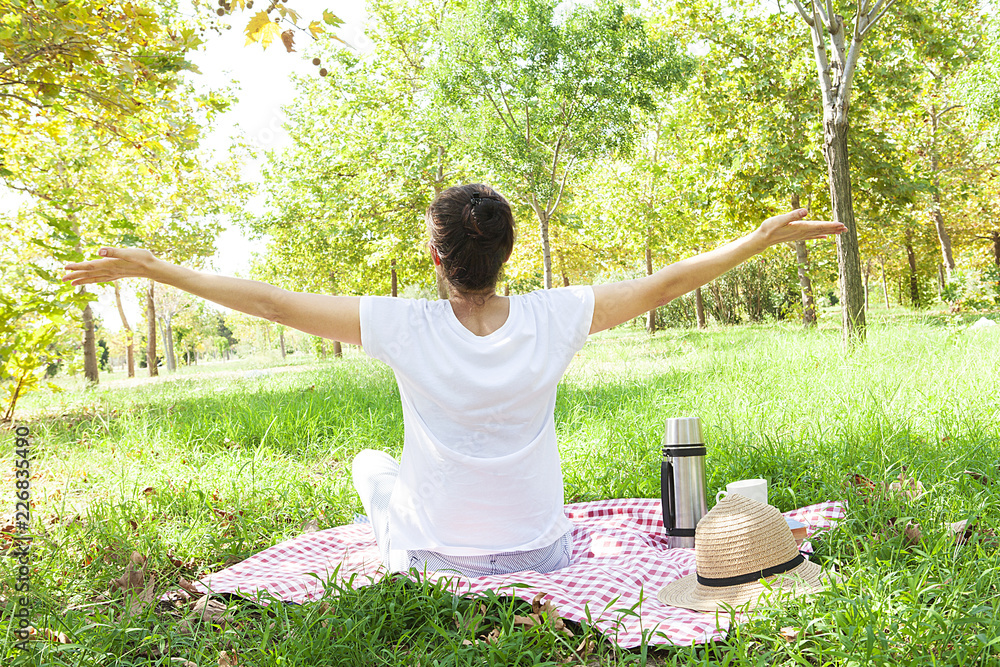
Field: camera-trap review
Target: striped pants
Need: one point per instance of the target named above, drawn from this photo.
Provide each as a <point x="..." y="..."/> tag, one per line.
<point x="375" y="474"/>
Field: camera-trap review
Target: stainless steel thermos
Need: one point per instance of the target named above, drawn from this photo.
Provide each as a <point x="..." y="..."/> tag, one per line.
<point x="682" y="480"/>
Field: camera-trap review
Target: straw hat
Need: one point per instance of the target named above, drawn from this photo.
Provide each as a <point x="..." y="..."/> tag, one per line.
<point x="737" y="544"/>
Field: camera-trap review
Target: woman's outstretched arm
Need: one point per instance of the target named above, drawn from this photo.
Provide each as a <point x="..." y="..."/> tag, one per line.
<point x="334" y="317"/>
<point x="620" y="302"/>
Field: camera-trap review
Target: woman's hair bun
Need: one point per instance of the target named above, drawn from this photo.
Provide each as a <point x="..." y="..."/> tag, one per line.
<point x="473" y="231"/>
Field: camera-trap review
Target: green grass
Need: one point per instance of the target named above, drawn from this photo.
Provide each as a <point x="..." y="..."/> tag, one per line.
<point x="211" y="465"/>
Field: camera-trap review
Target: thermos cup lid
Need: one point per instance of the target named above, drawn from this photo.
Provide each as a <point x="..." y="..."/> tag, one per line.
<point x="683" y="431"/>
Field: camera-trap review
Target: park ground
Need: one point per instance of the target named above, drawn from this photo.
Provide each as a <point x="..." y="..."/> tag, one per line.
<point x="201" y="469"/>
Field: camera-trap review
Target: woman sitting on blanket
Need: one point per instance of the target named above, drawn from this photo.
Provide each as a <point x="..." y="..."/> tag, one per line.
<point x="478" y="488"/>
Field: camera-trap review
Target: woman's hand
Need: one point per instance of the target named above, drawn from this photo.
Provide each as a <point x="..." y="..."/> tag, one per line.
<point x="790" y="227"/>
<point x="117" y="263"/>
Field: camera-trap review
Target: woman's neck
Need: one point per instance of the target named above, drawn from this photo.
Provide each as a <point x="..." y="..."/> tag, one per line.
<point x="482" y="313"/>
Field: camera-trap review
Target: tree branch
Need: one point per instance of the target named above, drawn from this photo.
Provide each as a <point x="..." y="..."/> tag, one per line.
<point x="28" y="102"/>
<point x="802" y="12"/>
<point x="844" y="94"/>
<point x="818" y="10"/>
<point x="506" y="106"/>
<point x="831" y="17"/>
<point x="497" y="108"/>
<point x="837" y="38"/>
<point x="873" y="21"/>
<point x="822" y="63"/>
<point x="562" y="186"/>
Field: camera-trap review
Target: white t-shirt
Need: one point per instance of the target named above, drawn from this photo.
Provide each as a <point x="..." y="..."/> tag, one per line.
<point x="480" y="468"/>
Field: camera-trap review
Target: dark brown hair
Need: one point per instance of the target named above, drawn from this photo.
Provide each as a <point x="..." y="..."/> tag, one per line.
<point x="472" y="229"/>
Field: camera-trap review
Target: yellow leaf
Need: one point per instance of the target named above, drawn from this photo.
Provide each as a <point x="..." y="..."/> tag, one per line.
<point x="268" y="33"/>
<point x="316" y="29"/>
<point x="259" y="20"/>
<point x="294" y="15"/>
<point x="241" y="3"/>
<point x="332" y="19"/>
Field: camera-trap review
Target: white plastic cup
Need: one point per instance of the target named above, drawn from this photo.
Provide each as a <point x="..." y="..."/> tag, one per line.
<point x="754" y="489"/>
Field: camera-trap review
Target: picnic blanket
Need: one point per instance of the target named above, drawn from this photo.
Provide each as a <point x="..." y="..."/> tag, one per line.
<point x="620" y="561"/>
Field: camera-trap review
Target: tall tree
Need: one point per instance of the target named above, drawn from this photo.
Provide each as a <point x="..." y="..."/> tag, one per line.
<point x="540" y="95"/>
<point x="836" y="49"/>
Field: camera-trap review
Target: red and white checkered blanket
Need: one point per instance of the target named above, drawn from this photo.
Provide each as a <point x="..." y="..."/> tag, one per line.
<point x="620" y="561"/>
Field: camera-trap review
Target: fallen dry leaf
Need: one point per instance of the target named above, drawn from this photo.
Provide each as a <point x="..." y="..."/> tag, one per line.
<point x="961" y="530"/>
<point x="861" y="486"/>
<point x="149" y="491"/>
<point x="493" y="637"/>
<point x="538" y="608"/>
<point x="529" y="621"/>
<point x="586" y="647"/>
<point x="189" y="588"/>
<point x="145" y="599"/>
<point x="310" y="526"/>
<point x="912" y="533"/>
<point x="964" y="531"/>
<point x="791" y="634"/>
<point x="908" y="485"/>
<point x="47" y="634"/>
<point x="227" y="659"/>
<point x="205" y="609"/>
<point x="978" y="476"/>
<point x="134" y="577"/>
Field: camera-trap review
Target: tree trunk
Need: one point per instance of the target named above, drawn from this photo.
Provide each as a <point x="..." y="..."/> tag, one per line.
<point x="868" y="272"/>
<point x="848" y="254"/>
<point x="168" y="343"/>
<point x="943" y="237"/>
<point x="995" y="236"/>
<point x="911" y="257"/>
<point x="805" y="284"/>
<point x="337" y="350"/>
<point x="543" y="226"/>
<point x="651" y="315"/>
<point x="281" y="340"/>
<point x="506" y="289"/>
<point x="129" y="336"/>
<point x="885" y="285"/>
<point x="90" y="370"/>
<point x="163" y="340"/>
<point x="699" y="308"/>
<point x="543" y="223"/>
<point x="393" y="271"/>
<point x="151" y="332"/>
<point x="805" y="281"/>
